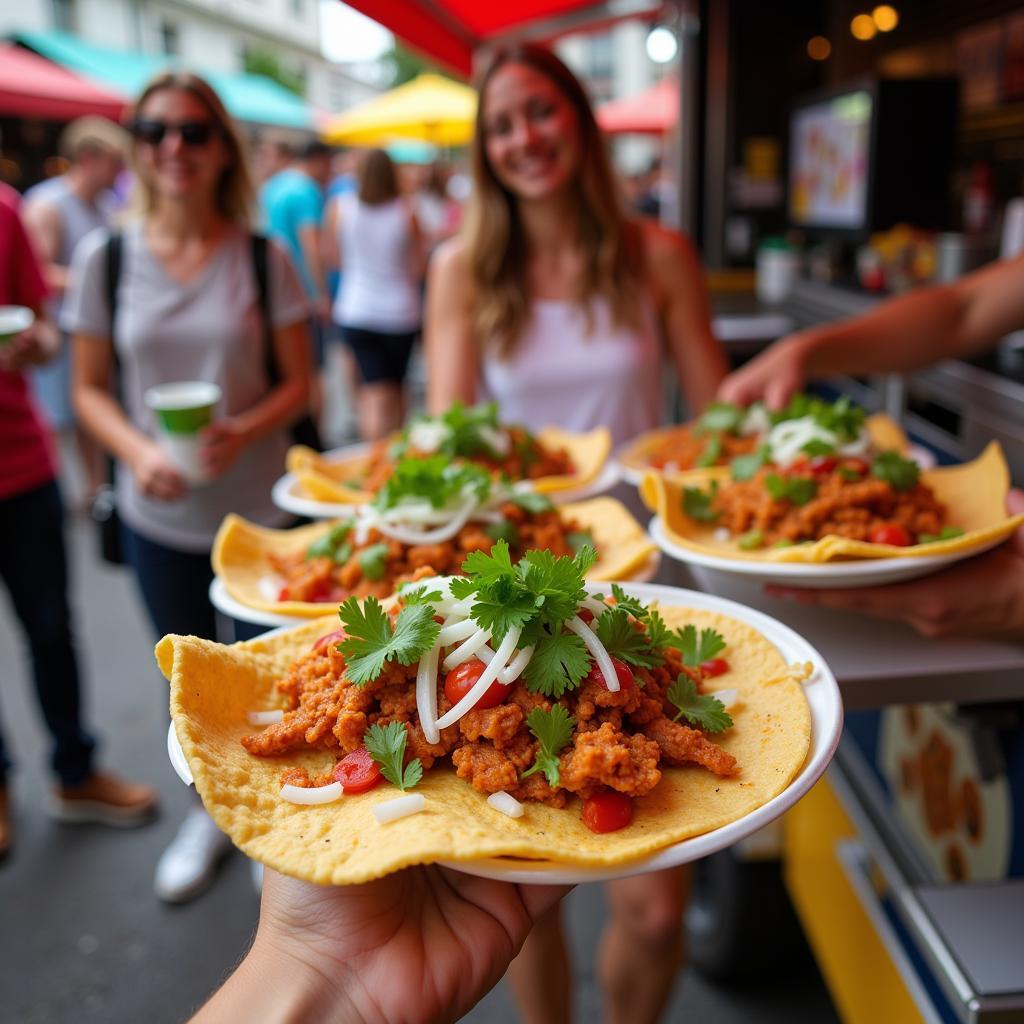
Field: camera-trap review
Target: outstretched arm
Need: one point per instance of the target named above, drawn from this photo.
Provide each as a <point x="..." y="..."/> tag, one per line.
<point x="453" y="361"/>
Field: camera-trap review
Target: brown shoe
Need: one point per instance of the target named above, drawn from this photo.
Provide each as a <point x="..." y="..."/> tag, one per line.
<point x="106" y="800"/>
<point x="6" y="836"/>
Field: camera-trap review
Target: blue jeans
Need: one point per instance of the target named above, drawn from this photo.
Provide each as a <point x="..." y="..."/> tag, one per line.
<point x="34" y="568"/>
<point x="175" y="588"/>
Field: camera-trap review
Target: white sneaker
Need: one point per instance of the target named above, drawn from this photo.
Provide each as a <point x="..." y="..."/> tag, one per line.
<point x="187" y="866"/>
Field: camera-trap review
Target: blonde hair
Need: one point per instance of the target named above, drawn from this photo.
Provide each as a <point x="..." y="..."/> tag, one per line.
<point x="234" y="194"/>
<point x="92" y="133"/>
<point x="495" y="242"/>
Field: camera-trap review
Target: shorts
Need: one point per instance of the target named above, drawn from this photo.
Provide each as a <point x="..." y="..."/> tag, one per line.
<point x="381" y="356"/>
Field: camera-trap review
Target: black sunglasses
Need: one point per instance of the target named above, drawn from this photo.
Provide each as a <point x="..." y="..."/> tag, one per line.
<point x="192" y="133"/>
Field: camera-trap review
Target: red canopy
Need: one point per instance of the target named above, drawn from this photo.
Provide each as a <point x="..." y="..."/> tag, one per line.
<point x="652" y="112"/>
<point x="33" y="87"/>
<point x="448" y="31"/>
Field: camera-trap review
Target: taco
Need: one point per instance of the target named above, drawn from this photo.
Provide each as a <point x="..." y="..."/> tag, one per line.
<point x="565" y="725"/>
<point x="553" y="460"/>
<point x="827" y="507"/>
<point x="727" y="434"/>
<point x="425" y="520"/>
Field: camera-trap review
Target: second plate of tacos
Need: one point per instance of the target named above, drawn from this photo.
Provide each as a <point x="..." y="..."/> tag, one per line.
<point x="514" y="721"/>
<point x="553" y="461"/>
<point x="426" y="518"/>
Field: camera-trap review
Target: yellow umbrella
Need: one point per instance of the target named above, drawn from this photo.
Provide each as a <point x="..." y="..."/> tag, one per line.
<point x="430" y="107"/>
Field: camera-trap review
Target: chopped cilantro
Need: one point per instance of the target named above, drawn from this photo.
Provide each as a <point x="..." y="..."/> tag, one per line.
<point x="416" y="593"/>
<point x="371" y="640"/>
<point x="633" y="605"/>
<point x="743" y="467"/>
<point x="703" y="710"/>
<point x="783" y="542"/>
<point x="463" y="436"/>
<point x="386" y="745"/>
<point x="435" y="479"/>
<point x="333" y="544"/>
<point x="818" y="447"/>
<point x="841" y="417"/>
<point x="697" y="648"/>
<point x="697" y="503"/>
<point x="560" y="662"/>
<point x="901" y="473"/>
<point x="620" y="638"/>
<point x="531" y="501"/>
<point x="849" y="473"/>
<point x="946" y="533"/>
<point x="373" y="561"/>
<point x="720" y="416"/>
<point x="506" y="530"/>
<point x="711" y="454"/>
<point x="796" y="489"/>
<point x="751" y="540"/>
<point x="553" y="730"/>
<point x="526" y="449"/>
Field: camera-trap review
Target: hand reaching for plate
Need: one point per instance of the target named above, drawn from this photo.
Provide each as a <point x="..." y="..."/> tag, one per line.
<point x="424" y="944"/>
<point x="982" y="596"/>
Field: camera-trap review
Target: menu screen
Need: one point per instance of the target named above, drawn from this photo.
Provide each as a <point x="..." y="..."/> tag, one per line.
<point x="828" y="175"/>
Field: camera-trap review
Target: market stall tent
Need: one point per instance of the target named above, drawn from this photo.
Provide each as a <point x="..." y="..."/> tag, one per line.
<point x="252" y="98"/>
<point x="651" y="112"/>
<point x="33" y="87"/>
<point x="430" y="108"/>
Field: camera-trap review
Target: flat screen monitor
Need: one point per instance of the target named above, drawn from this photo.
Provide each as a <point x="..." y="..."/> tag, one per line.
<point x="830" y="142"/>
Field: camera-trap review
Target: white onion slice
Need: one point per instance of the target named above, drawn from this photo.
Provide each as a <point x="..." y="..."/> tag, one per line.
<point x="506" y="804"/>
<point x="727" y="697"/>
<point x="516" y="667"/>
<point x="596" y="648"/>
<point x="598" y="608"/>
<point x="426" y="695"/>
<point x="401" y="807"/>
<point x="486" y="654"/>
<point x="266" y="717"/>
<point x="452" y="633"/>
<point x="722" y="534"/>
<point x="442" y="533"/>
<point x="270" y="587"/>
<point x="488" y="676"/>
<point x="309" y="796"/>
<point x="497" y="440"/>
<point x="467" y="650"/>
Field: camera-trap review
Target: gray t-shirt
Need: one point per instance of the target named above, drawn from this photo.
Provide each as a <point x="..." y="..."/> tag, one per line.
<point x="209" y="329"/>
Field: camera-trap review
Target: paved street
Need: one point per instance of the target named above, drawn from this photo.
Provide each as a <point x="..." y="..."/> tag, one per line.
<point x="83" y="940"/>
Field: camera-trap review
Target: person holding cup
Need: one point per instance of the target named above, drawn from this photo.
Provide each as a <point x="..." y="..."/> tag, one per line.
<point x="190" y="337"/>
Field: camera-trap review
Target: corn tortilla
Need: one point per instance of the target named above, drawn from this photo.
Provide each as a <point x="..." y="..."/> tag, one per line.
<point x="974" y="494"/>
<point x="341" y="480"/>
<point x="885" y="433"/>
<point x="242" y="550"/>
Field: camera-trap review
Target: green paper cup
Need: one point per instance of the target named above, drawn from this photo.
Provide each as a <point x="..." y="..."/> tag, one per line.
<point x="13" y="321"/>
<point x="181" y="410"/>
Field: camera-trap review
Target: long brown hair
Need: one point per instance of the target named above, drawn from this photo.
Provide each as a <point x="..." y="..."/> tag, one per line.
<point x="493" y="233"/>
<point x="376" y="178"/>
<point x="234" y="194"/>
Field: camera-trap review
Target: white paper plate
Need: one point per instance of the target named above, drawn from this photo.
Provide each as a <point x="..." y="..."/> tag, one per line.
<point x="861" y="572"/>
<point x="224" y="602"/>
<point x="287" y="495"/>
<point x="826" y="726"/>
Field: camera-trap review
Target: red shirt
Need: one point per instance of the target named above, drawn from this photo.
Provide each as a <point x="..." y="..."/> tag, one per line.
<point x="27" y="457"/>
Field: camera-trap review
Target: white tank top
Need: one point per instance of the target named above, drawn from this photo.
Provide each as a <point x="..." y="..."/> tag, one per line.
<point x="378" y="289"/>
<point x="561" y="374"/>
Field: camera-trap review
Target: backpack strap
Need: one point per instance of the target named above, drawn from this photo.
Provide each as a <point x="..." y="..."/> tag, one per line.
<point x="112" y="257"/>
<point x="261" y="274"/>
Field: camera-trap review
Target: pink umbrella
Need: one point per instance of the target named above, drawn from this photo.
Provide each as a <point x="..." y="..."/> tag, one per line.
<point x="652" y="112"/>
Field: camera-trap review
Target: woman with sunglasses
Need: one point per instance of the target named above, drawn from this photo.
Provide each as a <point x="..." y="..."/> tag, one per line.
<point x="556" y="305"/>
<point x="187" y="307"/>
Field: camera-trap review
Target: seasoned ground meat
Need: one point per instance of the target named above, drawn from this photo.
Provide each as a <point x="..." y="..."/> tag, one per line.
<point x="486" y="768"/>
<point x="682" y="447"/>
<point x="607" y="757"/>
<point x="498" y="724"/>
<point x="682" y="745"/>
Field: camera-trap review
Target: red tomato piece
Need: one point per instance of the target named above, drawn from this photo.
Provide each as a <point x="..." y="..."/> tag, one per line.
<point x="822" y="465"/>
<point x="330" y="638"/>
<point x="586" y="615"/>
<point x="622" y="670"/>
<point x="463" y="678"/>
<point x="890" y="533"/>
<point x="357" y="772"/>
<point x="714" y="666"/>
<point x="284" y="594"/>
<point x="607" y="811"/>
<point x="858" y="465"/>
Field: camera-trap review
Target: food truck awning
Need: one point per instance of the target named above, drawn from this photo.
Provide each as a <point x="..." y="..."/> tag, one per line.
<point x="449" y="31"/>
<point x="252" y="98"/>
<point x="33" y="87"/>
<point x="651" y="112"/>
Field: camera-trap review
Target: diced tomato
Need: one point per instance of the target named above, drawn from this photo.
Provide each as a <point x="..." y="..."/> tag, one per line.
<point x="890" y="533"/>
<point x="858" y="465"/>
<point x="586" y="615"/>
<point x="607" y="811"/>
<point x="462" y="679"/>
<point x="822" y="465"/>
<point x="327" y="591"/>
<point x="622" y="670"/>
<point x="714" y="667"/>
<point x="330" y="638"/>
<point x="799" y="464"/>
<point x="357" y="772"/>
